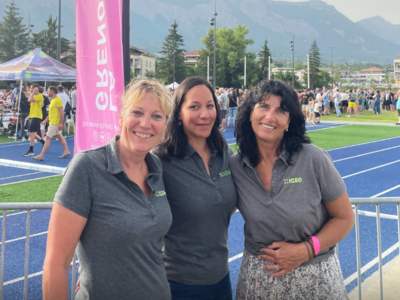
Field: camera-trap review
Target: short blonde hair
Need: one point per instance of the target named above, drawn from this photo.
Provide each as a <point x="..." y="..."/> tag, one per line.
<point x="139" y="88"/>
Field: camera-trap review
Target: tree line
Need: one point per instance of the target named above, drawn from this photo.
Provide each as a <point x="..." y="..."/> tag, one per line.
<point x="231" y="49"/>
<point x="14" y="37"/>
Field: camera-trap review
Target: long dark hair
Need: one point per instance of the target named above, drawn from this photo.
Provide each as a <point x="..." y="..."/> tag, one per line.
<point x="292" y="140"/>
<point x="174" y="142"/>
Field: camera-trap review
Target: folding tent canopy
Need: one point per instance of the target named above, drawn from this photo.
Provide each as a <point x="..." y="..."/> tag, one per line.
<point x="36" y="66"/>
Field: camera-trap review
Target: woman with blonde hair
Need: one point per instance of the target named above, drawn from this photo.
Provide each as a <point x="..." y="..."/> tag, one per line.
<point x="112" y="204"/>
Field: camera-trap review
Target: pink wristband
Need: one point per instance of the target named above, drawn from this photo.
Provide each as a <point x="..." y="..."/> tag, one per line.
<point x="316" y="244"/>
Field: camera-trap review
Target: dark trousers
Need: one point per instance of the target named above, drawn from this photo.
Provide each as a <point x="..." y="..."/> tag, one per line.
<point x="219" y="291"/>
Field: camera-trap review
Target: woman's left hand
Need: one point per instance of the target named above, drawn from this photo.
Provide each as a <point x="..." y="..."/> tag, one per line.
<point x="286" y="256"/>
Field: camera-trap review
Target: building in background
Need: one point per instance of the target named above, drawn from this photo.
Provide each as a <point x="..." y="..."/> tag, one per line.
<point x="143" y="63"/>
<point x="192" y="58"/>
<point x="396" y="65"/>
<point x="373" y="74"/>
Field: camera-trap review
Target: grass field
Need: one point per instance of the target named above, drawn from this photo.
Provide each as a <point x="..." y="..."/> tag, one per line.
<point x="365" y="116"/>
<point x="43" y="190"/>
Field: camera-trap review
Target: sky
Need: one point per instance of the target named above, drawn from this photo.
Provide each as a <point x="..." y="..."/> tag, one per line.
<point x="357" y="10"/>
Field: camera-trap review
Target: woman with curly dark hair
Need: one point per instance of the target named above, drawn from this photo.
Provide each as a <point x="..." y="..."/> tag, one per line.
<point x="292" y="199"/>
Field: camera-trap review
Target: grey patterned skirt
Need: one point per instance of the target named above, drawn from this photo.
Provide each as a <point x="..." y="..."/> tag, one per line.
<point x="323" y="280"/>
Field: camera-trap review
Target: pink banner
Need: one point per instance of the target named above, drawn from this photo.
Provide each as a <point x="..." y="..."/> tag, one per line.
<point x="100" y="79"/>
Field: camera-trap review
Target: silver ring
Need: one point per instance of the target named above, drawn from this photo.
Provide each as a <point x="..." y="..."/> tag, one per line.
<point x="276" y="267"/>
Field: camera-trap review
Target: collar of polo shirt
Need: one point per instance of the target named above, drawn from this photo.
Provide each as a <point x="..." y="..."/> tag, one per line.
<point x="114" y="164"/>
<point x="189" y="151"/>
<point x="283" y="157"/>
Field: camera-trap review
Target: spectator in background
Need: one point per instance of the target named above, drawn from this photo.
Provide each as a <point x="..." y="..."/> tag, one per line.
<point x="345" y="101"/>
<point x="73" y="101"/>
<point x="233" y="107"/>
<point x="223" y="106"/>
<point x="304" y="102"/>
<point x="397" y="102"/>
<point x="377" y="103"/>
<point x="24" y="107"/>
<point x="35" y="116"/>
<point x="337" y="98"/>
<point x="45" y="106"/>
<point x="65" y="99"/>
<point x="325" y="99"/>
<point x="371" y="101"/>
<point x="352" y="104"/>
<point x="15" y="93"/>
<point x="55" y="118"/>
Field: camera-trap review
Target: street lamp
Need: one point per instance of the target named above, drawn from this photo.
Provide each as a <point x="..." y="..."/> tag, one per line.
<point x="292" y="48"/>
<point x="213" y="22"/>
<point x="59" y="32"/>
<point x="332" y="66"/>
<point x="28" y="32"/>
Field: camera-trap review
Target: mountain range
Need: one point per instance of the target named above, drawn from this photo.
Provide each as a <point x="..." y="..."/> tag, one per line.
<point x="370" y="40"/>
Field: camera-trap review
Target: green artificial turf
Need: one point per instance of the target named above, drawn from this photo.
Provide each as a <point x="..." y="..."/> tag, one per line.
<point x="351" y="135"/>
<point x="40" y="190"/>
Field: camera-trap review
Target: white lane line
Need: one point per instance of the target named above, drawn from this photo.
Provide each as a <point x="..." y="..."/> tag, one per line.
<point x="371" y="264"/>
<point x="18" y="213"/>
<point x="29" y="276"/>
<point x="20" y="175"/>
<point x="366" y="153"/>
<point x="24" y="237"/>
<point x="20" y="143"/>
<point x="384" y="192"/>
<point x="30" y="180"/>
<point x="374" y="168"/>
<point x="326" y="128"/>
<point x="388" y="139"/>
<point x="235" y="257"/>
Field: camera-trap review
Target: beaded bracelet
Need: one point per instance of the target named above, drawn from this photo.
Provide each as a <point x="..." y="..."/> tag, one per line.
<point x="310" y="242"/>
<point x="308" y="249"/>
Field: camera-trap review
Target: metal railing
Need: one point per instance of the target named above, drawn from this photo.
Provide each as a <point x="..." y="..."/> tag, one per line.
<point x="354" y="201"/>
<point x="29" y="207"/>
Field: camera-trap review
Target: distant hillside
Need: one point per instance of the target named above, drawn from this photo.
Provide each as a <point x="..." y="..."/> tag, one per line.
<point x="381" y="28"/>
<point x="275" y="20"/>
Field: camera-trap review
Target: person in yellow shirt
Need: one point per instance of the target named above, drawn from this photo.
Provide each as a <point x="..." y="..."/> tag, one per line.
<point x="35" y="117"/>
<point x="55" y="118"/>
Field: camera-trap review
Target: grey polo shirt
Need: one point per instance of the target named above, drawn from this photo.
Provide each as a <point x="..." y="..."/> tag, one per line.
<point x="120" y="249"/>
<point x="295" y="208"/>
<point x="196" y="246"/>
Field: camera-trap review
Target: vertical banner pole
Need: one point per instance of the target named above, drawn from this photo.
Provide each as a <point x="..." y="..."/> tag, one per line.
<point x="269" y="67"/>
<point x="245" y="72"/>
<point x="125" y="41"/>
<point x="308" y="70"/>
<point x="208" y="69"/>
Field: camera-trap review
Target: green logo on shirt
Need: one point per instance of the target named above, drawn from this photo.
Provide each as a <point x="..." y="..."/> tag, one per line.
<point x="292" y="180"/>
<point x="160" y="193"/>
<point x="226" y="173"/>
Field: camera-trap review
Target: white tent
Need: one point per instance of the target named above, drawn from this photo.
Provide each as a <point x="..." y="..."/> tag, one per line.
<point x="173" y="86"/>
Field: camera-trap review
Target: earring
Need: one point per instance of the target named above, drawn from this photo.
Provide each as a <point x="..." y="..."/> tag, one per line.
<point x="180" y="123"/>
<point x="287" y="129"/>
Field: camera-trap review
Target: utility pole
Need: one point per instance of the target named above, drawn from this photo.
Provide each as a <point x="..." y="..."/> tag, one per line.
<point x="292" y="48"/>
<point x="213" y="22"/>
<point x="173" y="69"/>
<point x="59" y="31"/>
<point x="29" y="31"/>
<point x="208" y="69"/>
<point x="332" y="66"/>
<point x="308" y="70"/>
<point x="245" y="71"/>
<point x="269" y="67"/>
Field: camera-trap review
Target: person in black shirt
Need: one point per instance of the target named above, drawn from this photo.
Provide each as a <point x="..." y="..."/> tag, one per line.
<point x="46" y="103"/>
<point x="24" y="107"/>
<point x="304" y="102"/>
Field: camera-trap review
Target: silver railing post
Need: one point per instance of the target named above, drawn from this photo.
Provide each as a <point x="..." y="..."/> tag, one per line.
<point x="3" y="247"/>
<point x="26" y="274"/>
<point x="378" y="228"/>
<point x="358" y="253"/>
<point x="73" y="283"/>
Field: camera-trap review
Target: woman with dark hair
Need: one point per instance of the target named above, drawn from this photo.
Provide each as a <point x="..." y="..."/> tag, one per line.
<point x="201" y="193"/>
<point x="293" y="201"/>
